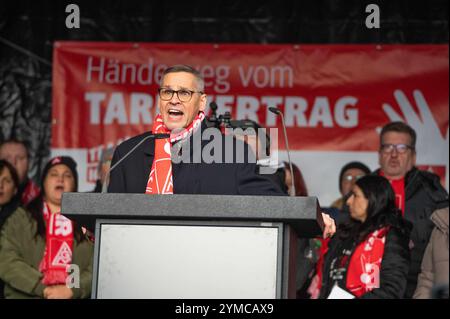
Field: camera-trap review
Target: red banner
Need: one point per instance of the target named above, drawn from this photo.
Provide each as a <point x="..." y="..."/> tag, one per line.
<point x="334" y="97"/>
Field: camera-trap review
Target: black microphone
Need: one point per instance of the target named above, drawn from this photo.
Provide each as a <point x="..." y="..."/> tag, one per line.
<point x="213" y="106"/>
<point x="278" y="112"/>
<point x="155" y="136"/>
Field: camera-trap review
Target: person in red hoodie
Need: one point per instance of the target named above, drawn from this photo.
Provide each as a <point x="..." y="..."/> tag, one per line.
<point x="368" y="256"/>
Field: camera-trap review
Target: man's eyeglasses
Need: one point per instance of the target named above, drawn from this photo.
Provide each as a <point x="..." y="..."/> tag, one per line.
<point x="400" y="148"/>
<point x="183" y="95"/>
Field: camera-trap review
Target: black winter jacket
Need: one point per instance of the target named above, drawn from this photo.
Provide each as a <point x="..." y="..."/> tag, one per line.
<point x="423" y="195"/>
<point x="394" y="265"/>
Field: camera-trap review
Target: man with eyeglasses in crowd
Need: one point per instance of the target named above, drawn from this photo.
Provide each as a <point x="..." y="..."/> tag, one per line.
<point x="418" y="193"/>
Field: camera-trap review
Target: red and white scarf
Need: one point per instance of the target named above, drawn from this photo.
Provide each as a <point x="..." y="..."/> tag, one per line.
<point x="363" y="274"/>
<point x="58" y="248"/>
<point x="30" y="192"/>
<point x="160" y="180"/>
<point x="363" y="269"/>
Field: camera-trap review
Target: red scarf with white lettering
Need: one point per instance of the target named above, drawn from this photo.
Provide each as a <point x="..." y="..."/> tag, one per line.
<point x="363" y="268"/>
<point x="160" y="180"/>
<point x="30" y="192"/>
<point x="398" y="185"/>
<point x="58" y="248"/>
<point x="363" y="274"/>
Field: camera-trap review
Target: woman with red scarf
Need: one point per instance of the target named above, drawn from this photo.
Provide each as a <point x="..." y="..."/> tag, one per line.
<point x="368" y="256"/>
<point x="42" y="253"/>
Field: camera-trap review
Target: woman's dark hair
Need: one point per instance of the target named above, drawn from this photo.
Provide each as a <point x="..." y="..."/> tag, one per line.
<point x="299" y="182"/>
<point x="35" y="208"/>
<point x="5" y="164"/>
<point x="381" y="210"/>
<point x="9" y="208"/>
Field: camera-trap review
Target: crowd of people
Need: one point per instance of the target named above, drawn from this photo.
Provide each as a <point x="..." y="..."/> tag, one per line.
<point x="387" y="238"/>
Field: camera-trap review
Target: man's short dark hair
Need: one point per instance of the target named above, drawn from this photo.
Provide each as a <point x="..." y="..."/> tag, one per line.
<point x="399" y="127"/>
<point x="188" y="69"/>
<point x="16" y="141"/>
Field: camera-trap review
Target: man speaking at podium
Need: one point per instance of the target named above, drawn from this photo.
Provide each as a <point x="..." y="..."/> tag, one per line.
<point x="149" y="166"/>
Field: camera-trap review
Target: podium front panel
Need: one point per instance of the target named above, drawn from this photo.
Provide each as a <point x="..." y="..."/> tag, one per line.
<point x="187" y="259"/>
